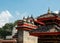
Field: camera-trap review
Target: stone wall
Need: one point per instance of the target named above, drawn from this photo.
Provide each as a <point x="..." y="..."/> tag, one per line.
<point x="28" y="38"/>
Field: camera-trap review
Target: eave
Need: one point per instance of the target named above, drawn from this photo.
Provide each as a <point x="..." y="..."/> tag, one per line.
<point x="44" y="33"/>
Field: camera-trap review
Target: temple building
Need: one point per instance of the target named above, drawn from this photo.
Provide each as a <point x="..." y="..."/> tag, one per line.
<point x="43" y="29"/>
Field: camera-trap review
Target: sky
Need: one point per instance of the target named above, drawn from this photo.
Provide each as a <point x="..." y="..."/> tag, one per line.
<point x="12" y="10"/>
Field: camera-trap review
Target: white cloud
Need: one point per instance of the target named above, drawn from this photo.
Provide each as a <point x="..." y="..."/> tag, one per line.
<point x="56" y="12"/>
<point x="4" y="17"/>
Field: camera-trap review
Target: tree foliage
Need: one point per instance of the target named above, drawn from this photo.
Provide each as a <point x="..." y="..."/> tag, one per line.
<point x="6" y="30"/>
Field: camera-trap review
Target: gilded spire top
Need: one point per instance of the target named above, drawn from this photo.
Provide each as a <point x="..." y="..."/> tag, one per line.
<point x="49" y="10"/>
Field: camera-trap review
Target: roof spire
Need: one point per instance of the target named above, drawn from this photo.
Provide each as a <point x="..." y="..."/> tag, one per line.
<point x="49" y="10"/>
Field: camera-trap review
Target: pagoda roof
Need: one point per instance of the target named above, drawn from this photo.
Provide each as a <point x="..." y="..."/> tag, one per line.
<point x="46" y="30"/>
<point x="47" y="15"/>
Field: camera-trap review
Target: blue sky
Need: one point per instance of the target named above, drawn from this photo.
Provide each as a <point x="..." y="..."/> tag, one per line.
<point x="16" y="9"/>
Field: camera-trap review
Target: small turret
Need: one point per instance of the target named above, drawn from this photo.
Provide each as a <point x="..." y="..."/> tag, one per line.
<point x="24" y="17"/>
<point x="31" y="16"/>
<point x="28" y="17"/>
<point x="27" y="20"/>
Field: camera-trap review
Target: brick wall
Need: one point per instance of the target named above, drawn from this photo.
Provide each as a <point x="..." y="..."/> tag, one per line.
<point x="8" y="41"/>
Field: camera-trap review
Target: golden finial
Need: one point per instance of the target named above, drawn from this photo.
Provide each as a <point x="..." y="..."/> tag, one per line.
<point x="49" y="10"/>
